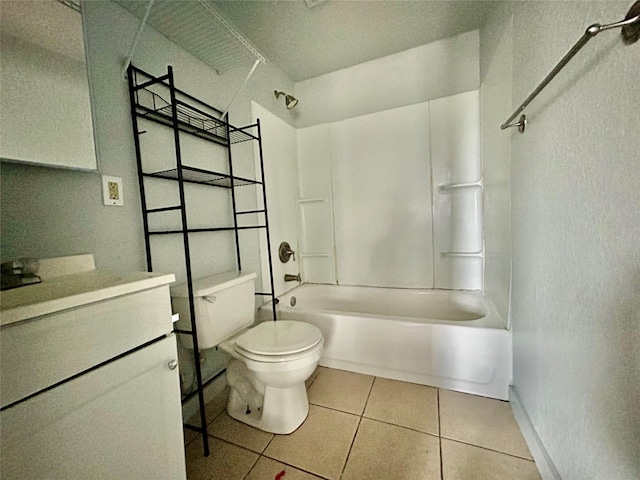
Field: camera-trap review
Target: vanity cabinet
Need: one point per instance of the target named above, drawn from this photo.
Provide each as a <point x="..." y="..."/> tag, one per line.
<point x="89" y="379"/>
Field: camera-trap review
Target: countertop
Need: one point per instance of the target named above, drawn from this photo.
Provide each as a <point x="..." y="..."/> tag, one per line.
<point x="69" y="291"/>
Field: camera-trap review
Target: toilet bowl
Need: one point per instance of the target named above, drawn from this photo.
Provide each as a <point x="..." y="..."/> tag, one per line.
<point x="270" y="362"/>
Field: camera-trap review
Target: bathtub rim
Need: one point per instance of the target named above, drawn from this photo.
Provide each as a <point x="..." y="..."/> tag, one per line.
<point x="492" y="320"/>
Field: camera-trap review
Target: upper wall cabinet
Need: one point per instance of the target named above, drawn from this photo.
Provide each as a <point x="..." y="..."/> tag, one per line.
<point x="45" y="102"/>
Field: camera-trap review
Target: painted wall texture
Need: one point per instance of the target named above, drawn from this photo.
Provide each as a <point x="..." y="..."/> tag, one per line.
<point x="377" y="202"/>
<point x="375" y="192"/>
<point x="434" y="70"/>
<point x="496" y="72"/>
<point x="50" y="212"/>
<point x="576" y="240"/>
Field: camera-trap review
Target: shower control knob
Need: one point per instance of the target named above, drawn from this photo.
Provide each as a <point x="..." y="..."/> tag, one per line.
<point x="285" y="252"/>
<point x="172" y="364"/>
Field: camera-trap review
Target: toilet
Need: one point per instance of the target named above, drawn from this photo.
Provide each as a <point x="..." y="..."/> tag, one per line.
<point x="270" y="362"/>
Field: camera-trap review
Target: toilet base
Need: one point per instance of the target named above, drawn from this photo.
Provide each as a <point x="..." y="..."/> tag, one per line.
<point x="283" y="411"/>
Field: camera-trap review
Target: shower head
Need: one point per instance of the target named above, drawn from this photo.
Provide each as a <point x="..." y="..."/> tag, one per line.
<point x="289" y="100"/>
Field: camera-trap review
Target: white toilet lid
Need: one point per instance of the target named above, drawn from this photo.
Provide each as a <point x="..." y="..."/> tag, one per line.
<point x="282" y="337"/>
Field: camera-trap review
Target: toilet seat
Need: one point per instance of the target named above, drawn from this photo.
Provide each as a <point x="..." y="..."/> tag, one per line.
<point x="283" y="340"/>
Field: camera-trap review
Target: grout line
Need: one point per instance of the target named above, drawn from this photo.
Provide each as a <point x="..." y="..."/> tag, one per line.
<point x="269" y="442"/>
<point x="252" y="467"/>
<point x="366" y="402"/>
<point x="314" y="379"/>
<point x="209" y="434"/>
<point x="489" y="449"/>
<point x="212" y="435"/>
<point x="353" y="440"/>
<point x="294" y="466"/>
<point x="190" y="441"/>
<point x="400" y="426"/>
<point x="357" y="428"/>
<point x="215" y="418"/>
<point x="440" y="434"/>
<point x="335" y="409"/>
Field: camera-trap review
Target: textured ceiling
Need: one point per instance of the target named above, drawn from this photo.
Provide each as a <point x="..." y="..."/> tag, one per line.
<point x="305" y="43"/>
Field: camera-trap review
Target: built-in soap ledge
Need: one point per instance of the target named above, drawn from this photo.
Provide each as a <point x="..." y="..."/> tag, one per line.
<point x="462" y="254"/>
<point x="454" y="186"/>
<point x="312" y="200"/>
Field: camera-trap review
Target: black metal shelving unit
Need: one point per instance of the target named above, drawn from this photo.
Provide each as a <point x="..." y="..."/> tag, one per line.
<point x="184" y="113"/>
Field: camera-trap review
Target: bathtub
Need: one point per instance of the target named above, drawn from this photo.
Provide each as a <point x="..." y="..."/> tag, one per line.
<point x="447" y="339"/>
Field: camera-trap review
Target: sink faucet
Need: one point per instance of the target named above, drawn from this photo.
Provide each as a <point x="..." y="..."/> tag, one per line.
<point x="292" y="278"/>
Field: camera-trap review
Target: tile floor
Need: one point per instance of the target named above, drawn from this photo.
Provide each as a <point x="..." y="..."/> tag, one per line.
<point x="362" y="427"/>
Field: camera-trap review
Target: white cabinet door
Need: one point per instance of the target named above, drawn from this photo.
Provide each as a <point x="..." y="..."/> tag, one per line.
<point x="121" y="421"/>
<point x="45" y="98"/>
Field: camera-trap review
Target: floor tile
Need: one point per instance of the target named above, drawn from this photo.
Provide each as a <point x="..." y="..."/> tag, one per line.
<point x="466" y="462"/>
<point x="320" y="445"/>
<point x="313" y="376"/>
<point x="225" y="461"/>
<point x="238" y="433"/>
<point x="212" y="410"/>
<point x="267" y="469"/>
<point x="344" y="391"/>
<point x="481" y="421"/>
<point x="383" y="451"/>
<point x="189" y="436"/>
<point x="405" y="404"/>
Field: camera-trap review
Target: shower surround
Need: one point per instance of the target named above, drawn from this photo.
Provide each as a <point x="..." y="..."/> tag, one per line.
<point x="391" y="222"/>
<point x="394" y="198"/>
<point x="388" y="217"/>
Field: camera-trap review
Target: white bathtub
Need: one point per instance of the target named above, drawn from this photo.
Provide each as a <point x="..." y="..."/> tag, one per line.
<point x="448" y="339"/>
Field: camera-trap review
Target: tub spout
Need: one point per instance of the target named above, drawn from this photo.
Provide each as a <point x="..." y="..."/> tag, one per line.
<point x="292" y="278"/>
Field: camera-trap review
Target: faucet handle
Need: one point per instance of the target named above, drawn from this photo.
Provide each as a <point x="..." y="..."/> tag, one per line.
<point x="285" y="252"/>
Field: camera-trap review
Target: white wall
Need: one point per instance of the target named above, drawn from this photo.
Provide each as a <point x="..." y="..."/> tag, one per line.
<point x="279" y="155"/>
<point x="385" y="200"/>
<point x="381" y="182"/>
<point x="315" y="205"/>
<point x="457" y="194"/>
<point x="50" y="212"/>
<point x="576" y="237"/>
<point x="423" y="73"/>
<point x="496" y="72"/>
<point x="376" y="225"/>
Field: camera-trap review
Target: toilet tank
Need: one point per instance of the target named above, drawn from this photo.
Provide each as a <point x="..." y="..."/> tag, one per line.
<point x="224" y="304"/>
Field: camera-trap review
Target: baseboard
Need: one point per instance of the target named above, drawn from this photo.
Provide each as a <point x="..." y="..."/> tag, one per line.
<point x="539" y="453"/>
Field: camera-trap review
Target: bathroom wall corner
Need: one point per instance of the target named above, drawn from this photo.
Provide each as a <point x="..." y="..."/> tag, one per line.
<point x="539" y="453"/>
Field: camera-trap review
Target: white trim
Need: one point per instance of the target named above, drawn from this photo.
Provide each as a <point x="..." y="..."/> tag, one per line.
<point x="132" y="49"/>
<point x="246" y="80"/>
<point x="547" y="469"/>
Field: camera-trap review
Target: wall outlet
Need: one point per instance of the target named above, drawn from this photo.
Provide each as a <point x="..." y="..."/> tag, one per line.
<point x="112" y="191"/>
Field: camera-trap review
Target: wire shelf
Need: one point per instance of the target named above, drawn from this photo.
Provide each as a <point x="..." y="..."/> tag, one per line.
<point x="199" y="29"/>
<point x="153" y="106"/>
<point x="203" y="177"/>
